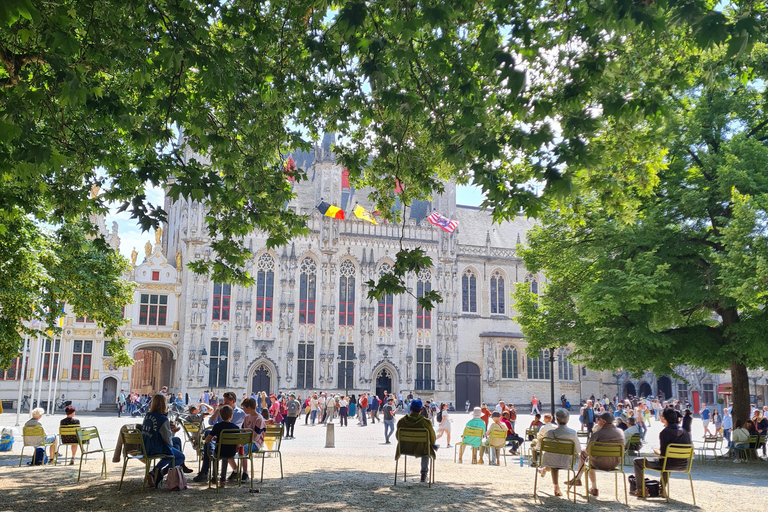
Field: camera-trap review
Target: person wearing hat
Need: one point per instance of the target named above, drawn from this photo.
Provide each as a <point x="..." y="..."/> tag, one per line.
<point x="606" y="433"/>
<point x="416" y="420"/>
<point x="473" y="441"/>
<point x="389" y="418"/>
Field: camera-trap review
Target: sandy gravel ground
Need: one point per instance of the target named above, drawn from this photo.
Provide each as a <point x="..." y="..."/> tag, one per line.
<point x="356" y="475"/>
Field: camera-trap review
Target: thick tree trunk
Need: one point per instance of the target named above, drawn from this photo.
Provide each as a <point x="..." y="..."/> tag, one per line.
<point x="740" y="390"/>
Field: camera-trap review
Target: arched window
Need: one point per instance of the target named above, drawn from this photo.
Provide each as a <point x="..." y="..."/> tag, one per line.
<point x="265" y="284"/>
<point x="307" y="289"/>
<point x="497" y="293"/>
<point x="347" y="293"/>
<point x="564" y="366"/>
<point x="538" y="367"/>
<point x="385" y="304"/>
<point x="533" y="282"/>
<point x="509" y="363"/>
<point x="469" y="292"/>
<point x="423" y="286"/>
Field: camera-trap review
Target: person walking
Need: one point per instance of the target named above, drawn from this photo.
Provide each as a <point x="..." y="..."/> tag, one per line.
<point x="535" y="406"/>
<point x="444" y="424"/>
<point x="389" y="419"/>
<point x="120" y="403"/>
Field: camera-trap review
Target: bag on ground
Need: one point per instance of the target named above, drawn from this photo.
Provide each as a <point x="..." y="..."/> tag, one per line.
<point x="39" y="458"/>
<point x="6" y="440"/>
<point x="176" y="480"/>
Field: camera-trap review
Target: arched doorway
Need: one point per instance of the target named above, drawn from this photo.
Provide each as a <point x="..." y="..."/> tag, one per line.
<point x="645" y="390"/>
<point x="629" y="390"/>
<point x="152" y="369"/>
<point x="665" y="387"/>
<point x="109" y="391"/>
<point x="383" y="382"/>
<point x="261" y="379"/>
<point x="467" y="385"/>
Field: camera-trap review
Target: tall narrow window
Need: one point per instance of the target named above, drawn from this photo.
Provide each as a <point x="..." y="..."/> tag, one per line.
<point x="347" y="293"/>
<point x="564" y="367"/>
<point x="13" y="372"/>
<point x="708" y="393"/>
<point x="305" y="372"/>
<point x="682" y="392"/>
<point x="307" y="288"/>
<point x="538" y="367"/>
<point x="497" y="293"/>
<point x="385" y="304"/>
<point x="49" y="370"/>
<point x="265" y="284"/>
<point x="423" y="287"/>
<point x="153" y="309"/>
<point x="469" y="292"/>
<point x="81" y="359"/>
<point x="533" y="282"/>
<point x="424" y="380"/>
<point x="217" y="365"/>
<point x="509" y="362"/>
<point x="221" y="297"/>
<point x="346" y="367"/>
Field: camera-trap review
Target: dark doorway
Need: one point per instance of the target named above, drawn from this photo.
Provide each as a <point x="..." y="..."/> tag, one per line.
<point x="645" y="390"/>
<point x="109" y="393"/>
<point x="467" y="385"/>
<point x="383" y="383"/>
<point x="261" y="380"/>
<point x="629" y="390"/>
<point x="665" y="387"/>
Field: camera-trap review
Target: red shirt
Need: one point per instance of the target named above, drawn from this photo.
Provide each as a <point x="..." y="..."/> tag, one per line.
<point x="364" y="402"/>
<point x="506" y="423"/>
<point x="486" y="415"/>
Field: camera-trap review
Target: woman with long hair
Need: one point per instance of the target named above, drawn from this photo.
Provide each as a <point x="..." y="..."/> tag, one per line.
<point x="158" y="439"/>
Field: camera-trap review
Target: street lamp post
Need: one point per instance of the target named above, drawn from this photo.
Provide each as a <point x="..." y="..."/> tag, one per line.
<point x="552" y="378"/>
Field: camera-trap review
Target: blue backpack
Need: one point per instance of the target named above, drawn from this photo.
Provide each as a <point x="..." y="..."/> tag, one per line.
<point x="39" y="458"/>
<point x="6" y="440"/>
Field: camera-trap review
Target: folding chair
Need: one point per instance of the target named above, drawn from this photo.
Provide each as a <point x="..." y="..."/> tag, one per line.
<point x="607" y="450"/>
<point x="192" y="433"/>
<point x="557" y="447"/>
<point x="468" y="432"/>
<point x="414" y="437"/>
<point x="132" y="440"/>
<point x="35" y="436"/>
<point x="87" y="438"/>
<point x="710" y="443"/>
<point x="239" y="437"/>
<point x="530" y="434"/>
<point x="273" y="435"/>
<point x="68" y="432"/>
<point x="497" y="439"/>
<point x="675" y="452"/>
<point x="634" y="439"/>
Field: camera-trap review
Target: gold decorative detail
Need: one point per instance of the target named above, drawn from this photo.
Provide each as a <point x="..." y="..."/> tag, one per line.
<point x="95" y="374"/>
<point x="125" y="374"/>
<point x="64" y="373"/>
<point x="178" y="261"/>
<point x="85" y="332"/>
<point x="176" y="325"/>
<point x="134" y="255"/>
<point x="108" y="364"/>
<point x="158" y="235"/>
<point x="32" y="374"/>
<point x="152" y="335"/>
<point x="148" y="249"/>
<point x="69" y="320"/>
<point x="167" y="287"/>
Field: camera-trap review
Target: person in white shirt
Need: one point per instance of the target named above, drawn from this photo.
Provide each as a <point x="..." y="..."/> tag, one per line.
<point x="553" y="461"/>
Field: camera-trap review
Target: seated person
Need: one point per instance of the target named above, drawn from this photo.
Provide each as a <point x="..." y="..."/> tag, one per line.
<point x="548" y="425"/>
<point x="158" y="438"/>
<point x="740" y="439"/>
<point x="66" y="422"/>
<point x="632" y="429"/>
<point x="34" y="421"/>
<point x="621" y="422"/>
<point x="513" y="439"/>
<point x="535" y="424"/>
<point x="225" y="451"/>
<point x="255" y="422"/>
<point x="606" y="432"/>
<point x="196" y="414"/>
<point x="416" y="420"/>
<point x="473" y="441"/>
<point x="556" y="461"/>
<point x="495" y="426"/>
<point x="671" y="434"/>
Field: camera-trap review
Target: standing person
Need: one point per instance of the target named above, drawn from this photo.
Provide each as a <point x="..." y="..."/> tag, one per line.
<point x="717" y="421"/>
<point x="292" y="408"/>
<point x="352" y="406"/>
<point x="535" y="406"/>
<point x="444" y="423"/>
<point x="687" y="421"/>
<point x="344" y="411"/>
<point x="671" y="434"/>
<point x="120" y="403"/>
<point x="640" y="419"/>
<point x="588" y="416"/>
<point x="158" y="438"/>
<point x="512" y="415"/>
<point x="705" y="416"/>
<point x="375" y="402"/>
<point x="363" y="405"/>
<point x="68" y="421"/>
<point x="416" y="420"/>
<point x="389" y="419"/>
<point x="466" y="406"/>
<point x="206" y="398"/>
<point x="727" y="426"/>
<point x="314" y="405"/>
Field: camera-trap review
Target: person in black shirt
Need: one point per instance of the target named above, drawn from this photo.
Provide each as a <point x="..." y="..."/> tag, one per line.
<point x="227" y="451"/>
<point x="671" y="434"/>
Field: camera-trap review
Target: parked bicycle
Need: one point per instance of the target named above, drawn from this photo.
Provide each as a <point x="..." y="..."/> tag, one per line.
<point x="62" y="404"/>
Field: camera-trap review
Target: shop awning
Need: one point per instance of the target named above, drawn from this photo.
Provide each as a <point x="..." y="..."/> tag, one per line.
<point x="724" y="389"/>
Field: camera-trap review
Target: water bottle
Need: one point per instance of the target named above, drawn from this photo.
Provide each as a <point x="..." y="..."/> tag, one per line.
<point x="521" y="458"/>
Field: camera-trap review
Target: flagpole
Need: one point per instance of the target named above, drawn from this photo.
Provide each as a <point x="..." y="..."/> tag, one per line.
<point x="22" y="379"/>
<point x="32" y="396"/>
<point x="56" y="376"/>
<point x="50" y="367"/>
<point x="40" y="377"/>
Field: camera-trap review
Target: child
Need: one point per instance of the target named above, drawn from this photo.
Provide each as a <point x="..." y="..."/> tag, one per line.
<point x="226" y="451"/>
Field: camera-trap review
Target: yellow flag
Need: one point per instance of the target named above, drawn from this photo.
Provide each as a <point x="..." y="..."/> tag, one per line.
<point x="362" y="213"/>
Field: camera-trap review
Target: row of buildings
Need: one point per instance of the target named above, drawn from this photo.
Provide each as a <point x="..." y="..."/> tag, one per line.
<point x="308" y="325"/>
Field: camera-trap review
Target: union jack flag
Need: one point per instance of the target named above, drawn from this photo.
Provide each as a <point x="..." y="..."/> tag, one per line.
<point x="443" y="223"/>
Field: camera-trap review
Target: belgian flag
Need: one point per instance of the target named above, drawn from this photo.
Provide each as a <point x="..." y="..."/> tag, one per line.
<point x="331" y="211"/>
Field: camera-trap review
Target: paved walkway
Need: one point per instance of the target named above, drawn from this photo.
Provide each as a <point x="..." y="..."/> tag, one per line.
<point x="355" y="475"/>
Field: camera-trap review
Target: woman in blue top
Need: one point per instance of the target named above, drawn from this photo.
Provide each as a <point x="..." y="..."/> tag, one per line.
<point x="158" y="438"/>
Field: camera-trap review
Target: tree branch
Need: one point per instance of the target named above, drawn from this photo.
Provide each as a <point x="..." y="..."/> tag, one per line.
<point x="13" y="64"/>
<point x="757" y="128"/>
<point x="695" y="157"/>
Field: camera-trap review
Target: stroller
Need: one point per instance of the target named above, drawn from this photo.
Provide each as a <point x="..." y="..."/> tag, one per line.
<point x="141" y="410"/>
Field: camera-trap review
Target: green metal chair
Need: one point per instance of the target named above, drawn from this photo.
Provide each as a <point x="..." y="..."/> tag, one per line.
<point x="236" y="437"/>
<point x="273" y="439"/>
<point x="607" y="450"/>
<point x="34" y="437"/>
<point x="414" y="436"/>
<point x="675" y="452"/>
<point x="556" y="447"/>
<point x="88" y="439"/>
<point x="468" y="432"/>
<point x="133" y="438"/>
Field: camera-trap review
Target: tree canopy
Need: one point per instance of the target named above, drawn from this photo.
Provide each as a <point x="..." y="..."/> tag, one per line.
<point x="682" y="280"/>
<point x="418" y="92"/>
